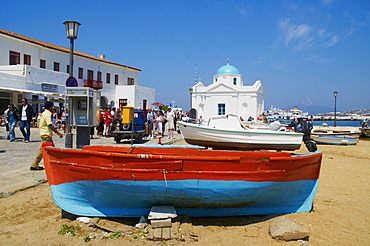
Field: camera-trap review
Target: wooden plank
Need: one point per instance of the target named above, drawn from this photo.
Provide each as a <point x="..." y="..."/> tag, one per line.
<point x="162" y="212"/>
<point x="185" y="228"/>
<point x="161" y="223"/>
<point x="157" y="234"/>
<point x="150" y="234"/>
<point x="175" y="230"/>
<point x="166" y="233"/>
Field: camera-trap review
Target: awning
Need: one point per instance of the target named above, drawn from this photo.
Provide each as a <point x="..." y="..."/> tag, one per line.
<point x="30" y="91"/>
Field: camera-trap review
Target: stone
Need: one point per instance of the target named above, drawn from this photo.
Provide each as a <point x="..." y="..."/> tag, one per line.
<point x="142" y="223"/>
<point x="283" y="228"/>
<point x="85" y="220"/>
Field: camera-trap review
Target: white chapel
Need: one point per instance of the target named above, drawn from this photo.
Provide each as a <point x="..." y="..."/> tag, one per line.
<point x="227" y="95"/>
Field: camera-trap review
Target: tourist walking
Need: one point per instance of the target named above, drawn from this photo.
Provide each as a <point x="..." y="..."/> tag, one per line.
<point x="171" y="117"/>
<point x="6" y="123"/>
<point x="64" y="119"/>
<point x="100" y="127"/>
<point x="46" y="133"/>
<point x="12" y="121"/>
<point x="55" y="119"/>
<point x="108" y="121"/>
<point x="150" y="116"/>
<point x="26" y="113"/>
<point x="117" y="119"/>
<point x="158" y="120"/>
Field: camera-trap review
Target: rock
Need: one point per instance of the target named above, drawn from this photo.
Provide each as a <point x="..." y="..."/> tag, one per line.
<point x="142" y="223"/>
<point x="93" y="235"/>
<point x="85" y="220"/>
<point x="285" y="229"/>
<point x="303" y="243"/>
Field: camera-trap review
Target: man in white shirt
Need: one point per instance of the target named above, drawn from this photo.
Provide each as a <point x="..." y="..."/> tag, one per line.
<point x="171" y="117"/>
<point x="150" y="119"/>
<point x="26" y="113"/>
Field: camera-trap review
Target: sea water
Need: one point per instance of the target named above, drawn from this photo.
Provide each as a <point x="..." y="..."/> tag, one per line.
<point x="354" y="123"/>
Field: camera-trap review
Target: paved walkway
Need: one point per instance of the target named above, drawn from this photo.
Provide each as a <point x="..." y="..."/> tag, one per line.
<point x="16" y="158"/>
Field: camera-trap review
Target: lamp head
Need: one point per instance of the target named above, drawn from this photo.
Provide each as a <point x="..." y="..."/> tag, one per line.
<point x="335" y="93"/>
<point x="72" y="29"/>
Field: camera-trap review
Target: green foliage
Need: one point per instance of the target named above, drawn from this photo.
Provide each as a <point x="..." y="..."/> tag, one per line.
<point x="115" y="235"/>
<point x="70" y="230"/>
<point x="141" y="232"/>
<point x="87" y="237"/>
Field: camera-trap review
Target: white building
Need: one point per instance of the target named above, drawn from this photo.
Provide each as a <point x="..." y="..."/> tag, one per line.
<point x="227" y="95"/>
<point x="38" y="71"/>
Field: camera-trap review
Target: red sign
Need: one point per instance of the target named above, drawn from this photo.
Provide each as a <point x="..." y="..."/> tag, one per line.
<point x="71" y="82"/>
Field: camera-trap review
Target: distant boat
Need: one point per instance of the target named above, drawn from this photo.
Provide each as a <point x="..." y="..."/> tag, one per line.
<point x="277" y="114"/>
<point x="228" y="132"/>
<point x="339" y="131"/>
<point x="335" y="140"/>
<point x="106" y="181"/>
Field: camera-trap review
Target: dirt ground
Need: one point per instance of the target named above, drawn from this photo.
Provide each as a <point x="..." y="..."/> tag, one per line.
<point x="340" y="217"/>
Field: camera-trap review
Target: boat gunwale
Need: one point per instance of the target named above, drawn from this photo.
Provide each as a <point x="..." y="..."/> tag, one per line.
<point x="248" y="130"/>
<point x="107" y="168"/>
<point x="188" y="157"/>
<point x="148" y="155"/>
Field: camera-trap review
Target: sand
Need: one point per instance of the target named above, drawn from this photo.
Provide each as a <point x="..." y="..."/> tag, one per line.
<point x="340" y="217"/>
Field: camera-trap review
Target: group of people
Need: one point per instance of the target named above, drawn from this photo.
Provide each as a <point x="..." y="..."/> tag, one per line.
<point x="48" y="124"/>
<point x="108" y="121"/>
<point x="158" y="120"/>
<point x="22" y="114"/>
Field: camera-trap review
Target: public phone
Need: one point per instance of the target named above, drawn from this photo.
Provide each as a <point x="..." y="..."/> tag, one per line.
<point x="82" y="112"/>
<point x="82" y="108"/>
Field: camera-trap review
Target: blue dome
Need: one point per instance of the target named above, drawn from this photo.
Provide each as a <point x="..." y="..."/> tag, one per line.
<point x="227" y="69"/>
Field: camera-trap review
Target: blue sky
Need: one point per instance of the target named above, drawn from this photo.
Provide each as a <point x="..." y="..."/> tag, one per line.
<point x="302" y="51"/>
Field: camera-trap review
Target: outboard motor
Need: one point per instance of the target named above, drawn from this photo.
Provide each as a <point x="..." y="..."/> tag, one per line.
<point x="305" y="127"/>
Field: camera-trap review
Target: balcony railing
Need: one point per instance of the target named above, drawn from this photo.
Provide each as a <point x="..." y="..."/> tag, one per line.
<point x="93" y="84"/>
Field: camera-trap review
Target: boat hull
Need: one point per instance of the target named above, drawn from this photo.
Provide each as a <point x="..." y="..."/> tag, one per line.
<point x="127" y="182"/>
<point x="353" y="132"/>
<point x="240" y="139"/>
<point x="196" y="198"/>
<point x="334" y="140"/>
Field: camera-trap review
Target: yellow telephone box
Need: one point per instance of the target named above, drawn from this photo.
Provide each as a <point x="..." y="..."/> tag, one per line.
<point x="127" y="114"/>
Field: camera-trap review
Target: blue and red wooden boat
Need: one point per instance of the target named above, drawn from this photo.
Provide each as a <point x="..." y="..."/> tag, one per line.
<point x="111" y="181"/>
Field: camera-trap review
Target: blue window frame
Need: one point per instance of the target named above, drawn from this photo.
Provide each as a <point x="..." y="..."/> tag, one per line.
<point x="221" y="108"/>
<point x="235" y="81"/>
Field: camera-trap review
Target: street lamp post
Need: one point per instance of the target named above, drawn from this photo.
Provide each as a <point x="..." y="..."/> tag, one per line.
<point x="72" y="30"/>
<point x="335" y="108"/>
